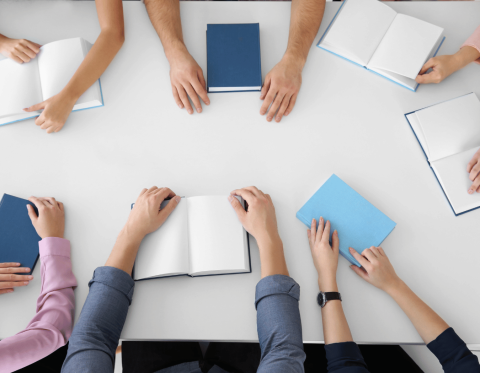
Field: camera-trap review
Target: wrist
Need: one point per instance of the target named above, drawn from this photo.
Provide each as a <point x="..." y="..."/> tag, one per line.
<point x="327" y="285"/>
<point x="175" y="49"/>
<point x="269" y="242"/>
<point x="294" y="59"/>
<point x="395" y="288"/>
<point x="130" y="237"/>
<point x="69" y="94"/>
<point x="464" y="56"/>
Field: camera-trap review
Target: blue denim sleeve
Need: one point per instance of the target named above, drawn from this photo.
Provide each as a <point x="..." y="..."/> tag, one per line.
<point x="95" y="336"/>
<point x="345" y="357"/>
<point x="453" y="353"/>
<point x="279" y="326"/>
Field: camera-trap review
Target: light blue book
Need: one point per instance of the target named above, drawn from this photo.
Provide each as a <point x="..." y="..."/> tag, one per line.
<point x="359" y="224"/>
<point x="27" y="84"/>
<point x="372" y="35"/>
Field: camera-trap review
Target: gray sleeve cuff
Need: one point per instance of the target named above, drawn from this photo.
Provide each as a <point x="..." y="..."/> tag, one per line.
<point x="276" y="284"/>
<point x="115" y="278"/>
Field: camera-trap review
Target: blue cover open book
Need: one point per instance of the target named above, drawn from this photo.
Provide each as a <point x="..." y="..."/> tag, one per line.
<point x="18" y="238"/>
<point x="371" y="34"/>
<point x="233" y="57"/>
<point x="201" y="237"/>
<point x="359" y="224"/>
<point x="27" y="84"/>
<point x="449" y="135"/>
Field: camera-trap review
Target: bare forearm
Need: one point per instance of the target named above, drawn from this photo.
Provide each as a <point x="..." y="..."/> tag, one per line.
<point x="428" y="324"/>
<point x="272" y="258"/>
<point x="305" y="19"/>
<point x="165" y="18"/>
<point x="94" y="64"/>
<point x="124" y="251"/>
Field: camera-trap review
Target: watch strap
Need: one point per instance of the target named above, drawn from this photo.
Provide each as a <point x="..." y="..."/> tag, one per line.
<point x="332" y="295"/>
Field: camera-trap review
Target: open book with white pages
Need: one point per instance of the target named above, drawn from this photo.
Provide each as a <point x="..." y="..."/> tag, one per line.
<point x="371" y="34"/>
<point x="27" y="84"/>
<point x="201" y="237"/>
<point x="449" y="134"/>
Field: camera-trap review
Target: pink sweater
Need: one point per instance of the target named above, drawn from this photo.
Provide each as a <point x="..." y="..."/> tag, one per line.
<point x="474" y="41"/>
<point x="52" y="325"/>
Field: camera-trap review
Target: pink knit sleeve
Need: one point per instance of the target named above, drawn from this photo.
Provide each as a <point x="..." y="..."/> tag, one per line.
<point x="53" y="323"/>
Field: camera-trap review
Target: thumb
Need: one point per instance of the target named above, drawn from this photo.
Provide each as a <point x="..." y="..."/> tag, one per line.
<point x="36" y="107"/>
<point x="168" y="209"/>
<point x="429" y="64"/>
<point x="31" y="213"/>
<point x="359" y="271"/>
<point x="237" y="206"/>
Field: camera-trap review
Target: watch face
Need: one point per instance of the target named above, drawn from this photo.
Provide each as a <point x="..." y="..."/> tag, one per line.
<point x="320" y="299"/>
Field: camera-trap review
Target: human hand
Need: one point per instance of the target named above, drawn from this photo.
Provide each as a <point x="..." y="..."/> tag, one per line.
<point x="377" y="269"/>
<point x="187" y="80"/>
<point x="50" y="221"/>
<point x="442" y="66"/>
<point x="473" y="169"/>
<point x="9" y="279"/>
<point x="325" y="257"/>
<point x="281" y="88"/>
<point x="146" y="216"/>
<point x="55" y="112"/>
<point x="19" y="50"/>
<point x="259" y="220"/>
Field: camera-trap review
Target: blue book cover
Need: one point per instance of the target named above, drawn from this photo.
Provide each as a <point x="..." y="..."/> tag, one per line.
<point x="233" y="57"/>
<point x="359" y="223"/>
<point x="18" y="238"/>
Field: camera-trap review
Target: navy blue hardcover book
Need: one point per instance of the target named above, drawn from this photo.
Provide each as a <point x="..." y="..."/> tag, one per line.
<point x="18" y="238"/>
<point x="233" y="57"/>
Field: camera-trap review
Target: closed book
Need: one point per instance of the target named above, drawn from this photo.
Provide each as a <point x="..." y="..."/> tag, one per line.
<point x="233" y="57"/>
<point x="359" y="224"/>
<point x="18" y="238"/>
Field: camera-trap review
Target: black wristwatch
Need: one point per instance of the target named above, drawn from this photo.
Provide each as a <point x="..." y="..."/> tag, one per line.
<point x="323" y="298"/>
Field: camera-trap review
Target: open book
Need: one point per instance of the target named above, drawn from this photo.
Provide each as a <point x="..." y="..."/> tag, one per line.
<point x="372" y="35"/>
<point x="27" y="84"/>
<point x="201" y="237"/>
<point x="449" y="134"/>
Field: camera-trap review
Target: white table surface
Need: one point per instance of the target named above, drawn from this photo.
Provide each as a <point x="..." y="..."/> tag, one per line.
<point x="346" y="121"/>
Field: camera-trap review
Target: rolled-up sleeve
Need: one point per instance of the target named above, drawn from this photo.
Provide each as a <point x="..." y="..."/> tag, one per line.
<point x="279" y="326"/>
<point x="345" y="357"/>
<point x="452" y="352"/>
<point x="95" y="337"/>
<point x="474" y="42"/>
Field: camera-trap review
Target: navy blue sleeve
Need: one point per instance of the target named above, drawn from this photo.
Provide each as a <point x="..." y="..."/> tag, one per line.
<point x="279" y="326"/>
<point x="95" y="337"/>
<point x="453" y="353"/>
<point x="345" y="357"/>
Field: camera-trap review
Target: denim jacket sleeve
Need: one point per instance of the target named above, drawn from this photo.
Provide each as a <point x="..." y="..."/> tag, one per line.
<point x="278" y="325"/>
<point x="453" y="353"/>
<point x="95" y="336"/>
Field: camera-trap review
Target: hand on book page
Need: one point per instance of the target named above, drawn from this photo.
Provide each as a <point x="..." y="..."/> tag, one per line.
<point x="261" y="222"/>
<point x="325" y="257"/>
<point x="146" y="215"/>
<point x="443" y="66"/>
<point x="187" y="80"/>
<point x="18" y="50"/>
<point x="50" y="221"/>
<point x="9" y="277"/>
<point x="473" y="169"/>
<point x="55" y="112"/>
<point x="281" y="88"/>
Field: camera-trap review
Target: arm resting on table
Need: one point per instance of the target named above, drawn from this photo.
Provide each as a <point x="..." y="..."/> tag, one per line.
<point x="278" y="325"/>
<point x="96" y="335"/>
<point x="52" y="325"/>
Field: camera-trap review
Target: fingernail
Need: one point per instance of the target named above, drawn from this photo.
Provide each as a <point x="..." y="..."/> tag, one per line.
<point x="350" y="249"/>
<point x="321" y="218"/>
<point x="27" y="269"/>
<point x="470" y="191"/>
<point x="269" y="118"/>
<point x="277" y="119"/>
<point x="199" y="110"/>
<point x="29" y="277"/>
<point x="25" y="109"/>
<point x="180" y="106"/>
<point x="178" y="198"/>
<point x="313" y="220"/>
<point x="190" y="111"/>
<point x="335" y="232"/>
<point x="208" y="102"/>
<point x="262" y="112"/>
<point x="230" y="198"/>
<point x="9" y="291"/>
<point x="26" y="282"/>
<point x="286" y="113"/>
